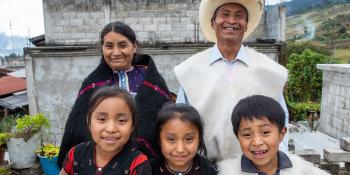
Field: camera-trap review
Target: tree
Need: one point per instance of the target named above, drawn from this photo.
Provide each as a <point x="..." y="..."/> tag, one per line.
<point x="305" y="80"/>
<point x="304" y="86"/>
<point x="12" y="55"/>
<point x="342" y="30"/>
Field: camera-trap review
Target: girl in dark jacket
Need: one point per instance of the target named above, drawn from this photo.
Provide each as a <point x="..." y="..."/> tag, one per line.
<point x="111" y="120"/>
<point x="180" y="133"/>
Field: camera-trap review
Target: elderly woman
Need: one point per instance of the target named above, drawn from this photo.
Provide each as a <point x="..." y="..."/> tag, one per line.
<point x="120" y="66"/>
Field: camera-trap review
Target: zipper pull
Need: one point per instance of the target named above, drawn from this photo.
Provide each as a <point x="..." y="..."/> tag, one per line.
<point x="99" y="171"/>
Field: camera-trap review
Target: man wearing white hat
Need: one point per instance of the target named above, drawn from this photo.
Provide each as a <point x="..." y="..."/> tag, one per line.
<point x="214" y="80"/>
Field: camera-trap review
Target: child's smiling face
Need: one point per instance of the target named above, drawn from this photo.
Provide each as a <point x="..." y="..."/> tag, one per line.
<point x="179" y="142"/>
<point x="111" y="125"/>
<point x="259" y="140"/>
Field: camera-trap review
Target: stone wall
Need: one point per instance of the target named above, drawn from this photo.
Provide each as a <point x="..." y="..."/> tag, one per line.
<point x="335" y="105"/>
<point x="78" y="22"/>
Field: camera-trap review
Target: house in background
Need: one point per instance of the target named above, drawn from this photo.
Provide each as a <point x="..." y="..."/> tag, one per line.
<point x="167" y="30"/>
<point x="13" y="94"/>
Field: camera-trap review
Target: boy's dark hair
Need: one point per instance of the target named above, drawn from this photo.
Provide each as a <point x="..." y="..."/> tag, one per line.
<point x="112" y="91"/>
<point x="257" y="107"/>
<point x="184" y="112"/>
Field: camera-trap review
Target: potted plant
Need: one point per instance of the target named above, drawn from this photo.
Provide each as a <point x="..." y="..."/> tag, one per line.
<point x="5" y="169"/>
<point x="24" y="139"/>
<point x="48" y="154"/>
<point x="3" y="146"/>
<point x="5" y="126"/>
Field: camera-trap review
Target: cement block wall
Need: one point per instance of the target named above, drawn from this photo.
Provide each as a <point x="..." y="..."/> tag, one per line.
<point x="79" y="22"/>
<point x="335" y="104"/>
<point x="275" y="23"/>
<point x="54" y="75"/>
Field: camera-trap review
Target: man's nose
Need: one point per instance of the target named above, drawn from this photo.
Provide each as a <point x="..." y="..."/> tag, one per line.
<point x="231" y="19"/>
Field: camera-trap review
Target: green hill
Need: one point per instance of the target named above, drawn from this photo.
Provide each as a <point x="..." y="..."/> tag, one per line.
<point x="327" y="25"/>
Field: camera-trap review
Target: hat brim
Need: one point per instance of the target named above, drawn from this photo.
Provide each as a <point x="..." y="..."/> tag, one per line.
<point x="208" y="7"/>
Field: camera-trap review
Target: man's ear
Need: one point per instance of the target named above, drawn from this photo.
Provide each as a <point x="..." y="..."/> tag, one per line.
<point x="212" y="23"/>
<point x="246" y="28"/>
<point x="282" y="134"/>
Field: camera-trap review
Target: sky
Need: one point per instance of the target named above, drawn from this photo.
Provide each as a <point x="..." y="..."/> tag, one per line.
<point x="26" y="17"/>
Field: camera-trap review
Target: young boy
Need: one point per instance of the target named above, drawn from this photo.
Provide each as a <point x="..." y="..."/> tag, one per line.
<point x="258" y="123"/>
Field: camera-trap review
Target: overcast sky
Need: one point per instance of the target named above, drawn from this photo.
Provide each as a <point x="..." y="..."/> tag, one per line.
<point x="26" y="17"/>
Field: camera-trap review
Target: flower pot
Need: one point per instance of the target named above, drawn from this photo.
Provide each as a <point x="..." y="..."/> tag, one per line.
<point x="22" y="154"/>
<point x="2" y="156"/>
<point x="48" y="165"/>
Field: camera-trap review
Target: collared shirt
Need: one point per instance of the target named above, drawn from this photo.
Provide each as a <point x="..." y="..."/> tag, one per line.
<point x="283" y="162"/>
<point x="217" y="56"/>
<point x="243" y="58"/>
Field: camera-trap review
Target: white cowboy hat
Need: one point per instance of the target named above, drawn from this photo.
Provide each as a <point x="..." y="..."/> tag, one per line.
<point x="208" y="7"/>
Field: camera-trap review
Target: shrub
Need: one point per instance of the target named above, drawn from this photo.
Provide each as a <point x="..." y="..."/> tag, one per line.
<point x="305" y="80"/>
<point x="299" y="111"/>
<point x="298" y="48"/>
<point x="5" y="127"/>
<point x="7" y="123"/>
<point x="3" y="140"/>
<point x="304" y="86"/>
<point x="5" y="169"/>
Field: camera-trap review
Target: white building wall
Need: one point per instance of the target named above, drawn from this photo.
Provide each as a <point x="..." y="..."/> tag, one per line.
<point x="335" y="104"/>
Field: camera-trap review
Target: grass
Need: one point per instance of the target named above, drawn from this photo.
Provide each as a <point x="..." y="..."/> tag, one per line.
<point x="343" y="55"/>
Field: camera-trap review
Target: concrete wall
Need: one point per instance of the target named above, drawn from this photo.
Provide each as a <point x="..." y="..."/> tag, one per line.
<point x="53" y="80"/>
<point x="54" y="75"/>
<point x="335" y="105"/>
<point x="276" y="23"/>
<point x="78" y="22"/>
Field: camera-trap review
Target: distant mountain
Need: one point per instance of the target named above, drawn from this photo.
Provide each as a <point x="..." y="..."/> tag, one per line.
<point x="322" y="24"/>
<point x="12" y="44"/>
<point x="300" y="6"/>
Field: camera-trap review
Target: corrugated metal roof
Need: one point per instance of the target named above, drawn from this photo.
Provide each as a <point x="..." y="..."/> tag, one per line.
<point x="14" y="101"/>
<point x="10" y="84"/>
<point x="21" y="73"/>
<point x="4" y="72"/>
